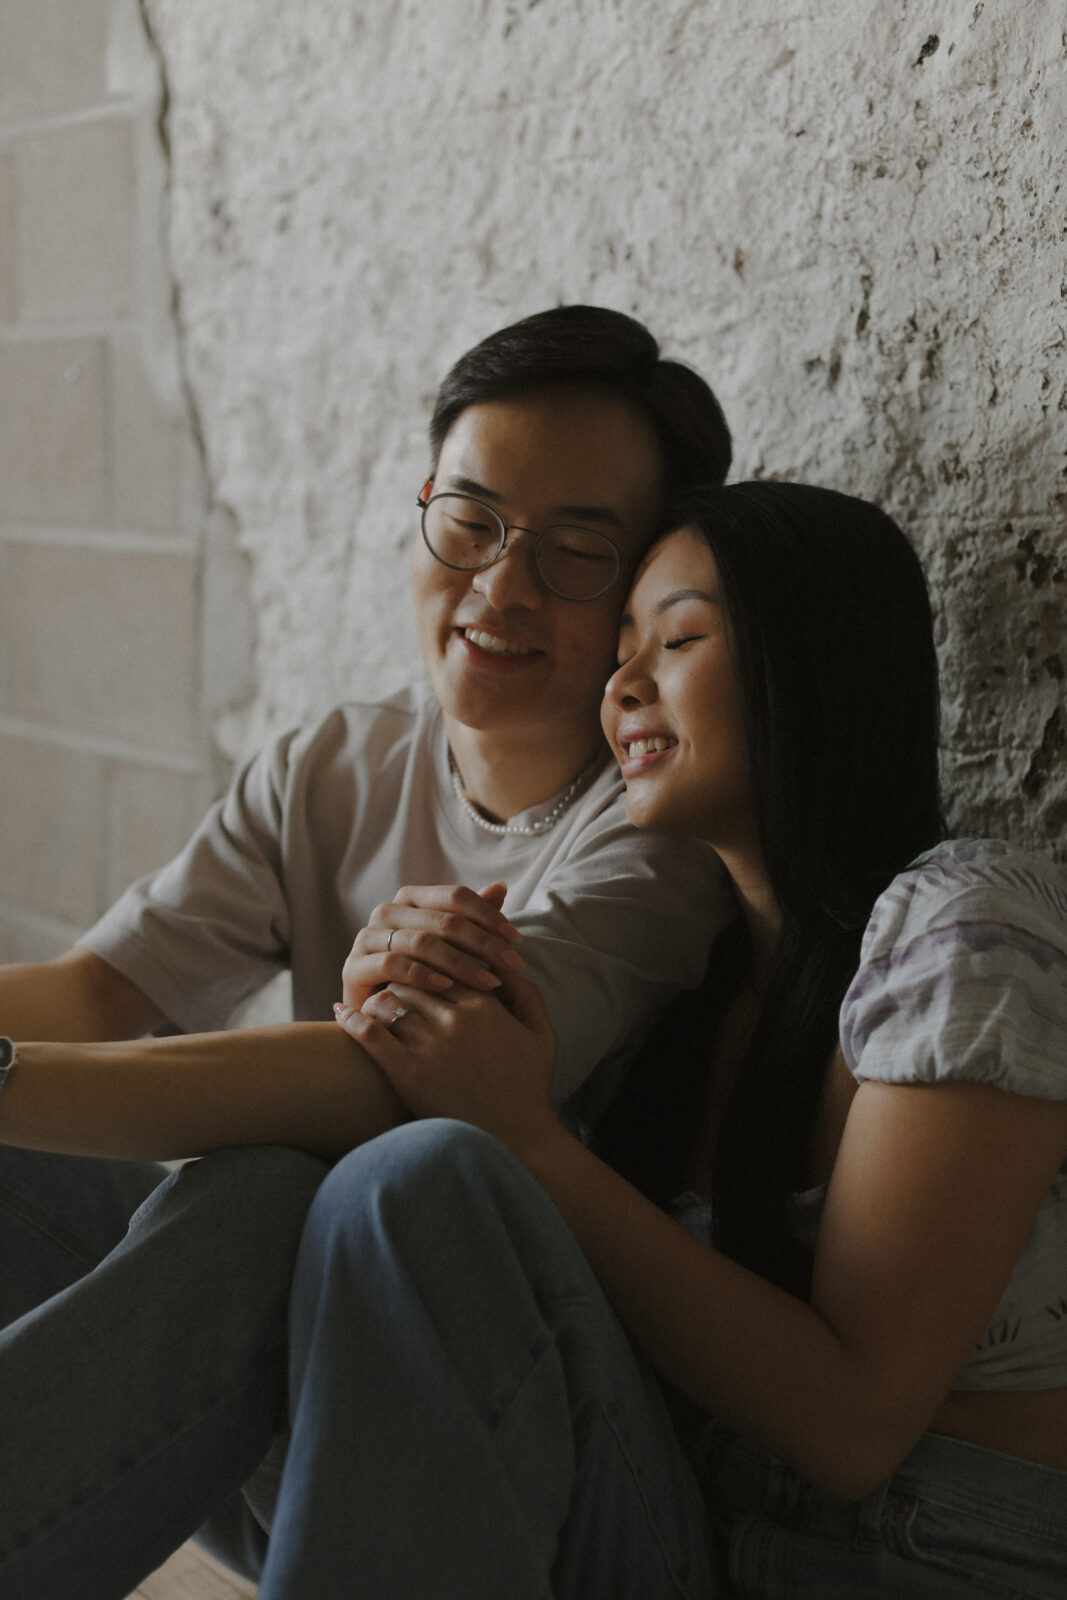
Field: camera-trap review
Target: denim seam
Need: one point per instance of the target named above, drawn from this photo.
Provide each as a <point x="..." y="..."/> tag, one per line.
<point x="43" y="1530"/>
<point x="958" y="1503"/>
<point x="682" y="1589"/>
<point x="47" y="1226"/>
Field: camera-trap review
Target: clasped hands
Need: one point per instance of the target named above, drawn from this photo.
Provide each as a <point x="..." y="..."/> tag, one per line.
<point x="433" y="993"/>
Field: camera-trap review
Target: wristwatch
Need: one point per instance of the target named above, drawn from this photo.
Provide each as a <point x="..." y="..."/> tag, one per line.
<point x="9" y="1057"/>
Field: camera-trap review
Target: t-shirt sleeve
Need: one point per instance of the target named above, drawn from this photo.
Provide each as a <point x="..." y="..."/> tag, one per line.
<point x="210" y="928"/>
<point x="618" y="927"/>
<point x="963" y="975"/>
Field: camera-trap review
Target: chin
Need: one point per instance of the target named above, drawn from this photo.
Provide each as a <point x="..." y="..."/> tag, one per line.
<point x="658" y="815"/>
<point x="645" y="814"/>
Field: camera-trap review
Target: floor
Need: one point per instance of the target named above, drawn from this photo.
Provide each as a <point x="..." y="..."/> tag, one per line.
<point x="191" y="1574"/>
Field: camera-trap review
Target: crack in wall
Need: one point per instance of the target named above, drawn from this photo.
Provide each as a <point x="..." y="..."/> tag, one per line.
<point x="163" y="133"/>
<point x="228" y="630"/>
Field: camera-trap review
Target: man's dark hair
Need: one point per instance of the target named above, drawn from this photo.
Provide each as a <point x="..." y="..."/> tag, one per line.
<point x="832" y="645"/>
<point x="590" y="347"/>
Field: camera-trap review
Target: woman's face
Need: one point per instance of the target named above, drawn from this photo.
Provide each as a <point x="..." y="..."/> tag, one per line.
<point x="671" y="711"/>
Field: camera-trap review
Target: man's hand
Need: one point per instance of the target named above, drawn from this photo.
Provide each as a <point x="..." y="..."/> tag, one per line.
<point x="430" y="938"/>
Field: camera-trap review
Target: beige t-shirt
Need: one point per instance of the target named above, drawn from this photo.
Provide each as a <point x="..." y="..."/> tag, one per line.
<point x="329" y="821"/>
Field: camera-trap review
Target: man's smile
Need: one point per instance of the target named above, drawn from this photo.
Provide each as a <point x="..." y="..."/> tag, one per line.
<point x="495" y="644"/>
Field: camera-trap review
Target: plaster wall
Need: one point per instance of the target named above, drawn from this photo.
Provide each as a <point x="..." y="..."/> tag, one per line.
<point x="850" y="218"/>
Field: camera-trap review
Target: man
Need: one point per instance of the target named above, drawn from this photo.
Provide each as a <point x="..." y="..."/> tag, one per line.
<point x="556" y="443"/>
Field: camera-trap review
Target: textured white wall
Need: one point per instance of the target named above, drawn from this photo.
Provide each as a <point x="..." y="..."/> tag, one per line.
<point x="103" y="746"/>
<point x="850" y="218"/>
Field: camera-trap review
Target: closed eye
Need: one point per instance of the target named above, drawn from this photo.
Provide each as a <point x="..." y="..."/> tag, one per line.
<point x="682" y="639"/>
<point x="582" y="555"/>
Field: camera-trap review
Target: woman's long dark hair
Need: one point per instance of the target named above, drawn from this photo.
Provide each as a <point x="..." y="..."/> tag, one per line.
<point x="832" y="646"/>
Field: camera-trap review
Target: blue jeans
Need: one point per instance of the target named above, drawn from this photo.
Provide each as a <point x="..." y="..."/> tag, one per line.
<point x="140" y="1371"/>
<point x="954" y="1522"/>
<point x="469" y="1421"/>
<point x="469" y="1418"/>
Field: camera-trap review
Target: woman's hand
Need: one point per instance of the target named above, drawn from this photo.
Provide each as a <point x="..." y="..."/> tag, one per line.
<point x="430" y="938"/>
<point x="476" y="1057"/>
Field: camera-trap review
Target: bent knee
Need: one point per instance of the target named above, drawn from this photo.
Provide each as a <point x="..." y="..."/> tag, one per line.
<point x="268" y="1181"/>
<point x="426" y="1159"/>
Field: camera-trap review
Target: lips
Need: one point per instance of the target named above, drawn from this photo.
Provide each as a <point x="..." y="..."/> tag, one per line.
<point x="639" y="749"/>
<point x="495" y="645"/>
<point x="647" y="747"/>
<point x="488" y="651"/>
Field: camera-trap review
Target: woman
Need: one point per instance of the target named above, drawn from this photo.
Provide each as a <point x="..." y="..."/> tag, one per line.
<point x="828" y="1207"/>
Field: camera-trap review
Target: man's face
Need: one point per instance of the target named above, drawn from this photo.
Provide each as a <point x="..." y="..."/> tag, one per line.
<point x="503" y="652"/>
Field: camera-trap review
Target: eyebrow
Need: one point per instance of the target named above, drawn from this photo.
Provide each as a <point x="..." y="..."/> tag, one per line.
<point x="669" y="600"/>
<point x="605" y="514"/>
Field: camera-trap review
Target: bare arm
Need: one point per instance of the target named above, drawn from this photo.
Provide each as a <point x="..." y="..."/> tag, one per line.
<point x="934" y="1193"/>
<point x="909" y="1269"/>
<point x="78" y="996"/>
<point x="302" y="1084"/>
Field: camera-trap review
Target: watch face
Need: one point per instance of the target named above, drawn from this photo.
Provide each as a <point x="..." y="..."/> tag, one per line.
<point x="7" y="1053"/>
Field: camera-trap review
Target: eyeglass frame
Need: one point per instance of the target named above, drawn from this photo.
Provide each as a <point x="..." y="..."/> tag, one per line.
<point x="424" y="501"/>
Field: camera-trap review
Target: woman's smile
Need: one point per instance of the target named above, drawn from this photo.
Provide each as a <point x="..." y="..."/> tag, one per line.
<point x="638" y="751"/>
<point x="671" y="711"/>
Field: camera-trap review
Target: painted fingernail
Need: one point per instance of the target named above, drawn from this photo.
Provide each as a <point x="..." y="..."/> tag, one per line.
<point x="342" y="1013"/>
<point x="487" y="980"/>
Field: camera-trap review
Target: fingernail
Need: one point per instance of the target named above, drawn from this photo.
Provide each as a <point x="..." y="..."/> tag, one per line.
<point x="488" y="980"/>
<point x="513" y="961"/>
<point x="342" y="1013"/>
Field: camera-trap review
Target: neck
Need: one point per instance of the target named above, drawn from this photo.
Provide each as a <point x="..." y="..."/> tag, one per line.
<point x="760" y="910"/>
<point x="503" y="774"/>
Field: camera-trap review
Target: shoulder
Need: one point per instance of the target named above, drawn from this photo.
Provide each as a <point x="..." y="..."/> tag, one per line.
<point x="963" y="972"/>
<point x="354" y="733"/>
<point x="971" y="893"/>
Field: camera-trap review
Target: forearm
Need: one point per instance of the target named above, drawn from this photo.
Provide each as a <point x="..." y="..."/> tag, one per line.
<point x="76" y="997"/>
<point x="302" y="1084"/>
<point x="744" y="1350"/>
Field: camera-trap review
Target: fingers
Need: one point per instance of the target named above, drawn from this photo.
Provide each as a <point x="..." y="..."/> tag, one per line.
<point x="432" y="945"/>
<point x="387" y="1006"/>
<point x="362" y="975"/>
<point x="433" y="965"/>
<point x="525" y="1002"/>
<point x="483" y="910"/>
<point x="385" y="1051"/>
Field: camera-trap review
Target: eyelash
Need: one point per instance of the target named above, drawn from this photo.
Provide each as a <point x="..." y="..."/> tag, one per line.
<point x="680" y="639"/>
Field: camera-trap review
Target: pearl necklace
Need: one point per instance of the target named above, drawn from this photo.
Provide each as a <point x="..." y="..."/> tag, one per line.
<point x="529" y="829"/>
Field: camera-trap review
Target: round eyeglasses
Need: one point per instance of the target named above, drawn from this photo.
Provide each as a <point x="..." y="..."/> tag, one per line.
<point x="467" y="535"/>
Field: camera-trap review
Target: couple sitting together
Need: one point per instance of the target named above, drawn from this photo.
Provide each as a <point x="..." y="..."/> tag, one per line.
<point x="669" y="1198"/>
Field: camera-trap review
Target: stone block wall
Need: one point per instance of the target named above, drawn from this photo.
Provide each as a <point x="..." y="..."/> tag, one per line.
<point x="241" y="243"/>
<point x="102" y="743"/>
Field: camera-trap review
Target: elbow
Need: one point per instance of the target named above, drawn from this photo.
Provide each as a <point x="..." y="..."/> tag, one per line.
<point x="846" y="1480"/>
<point x="855" y="1461"/>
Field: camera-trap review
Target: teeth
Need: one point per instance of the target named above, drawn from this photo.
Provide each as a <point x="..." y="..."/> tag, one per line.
<point x="644" y="747"/>
<point x="498" y="647"/>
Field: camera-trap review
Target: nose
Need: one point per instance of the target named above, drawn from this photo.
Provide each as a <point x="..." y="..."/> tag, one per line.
<point x="631" y="685"/>
<point x="513" y="578"/>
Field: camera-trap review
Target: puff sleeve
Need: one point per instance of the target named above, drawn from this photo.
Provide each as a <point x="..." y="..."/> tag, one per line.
<point x="963" y="974"/>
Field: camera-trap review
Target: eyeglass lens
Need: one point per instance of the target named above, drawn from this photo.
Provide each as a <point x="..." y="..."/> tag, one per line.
<point x="575" y="563"/>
